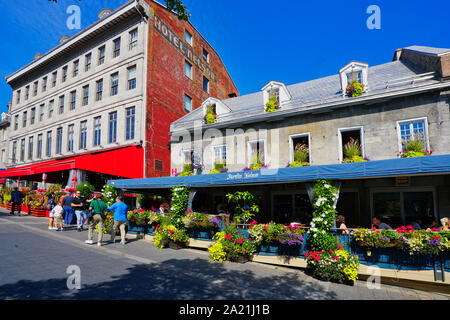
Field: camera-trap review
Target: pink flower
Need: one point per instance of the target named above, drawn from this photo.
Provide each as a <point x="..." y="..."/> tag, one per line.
<point x="336" y="257"/>
<point x="241" y="240"/>
<point x="249" y="238"/>
<point x="378" y="231"/>
<point x="434" y="229"/>
<point x="373" y="228"/>
<point x="190" y="210"/>
<point x="331" y="251"/>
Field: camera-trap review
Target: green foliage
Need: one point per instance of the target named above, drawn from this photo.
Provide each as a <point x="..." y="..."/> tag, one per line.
<point x="412" y="154"/>
<point x="272" y="104"/>
<point x="180" y="196"/>
<point x="323" y="216"/>
<point x="332" y="264"/>
<point x="246" y="205"/>
<point x="230" y="246"/>
<point x="415" y="145"/>
<point x="354" y="159"/>
<point x="110" y="194"/>
<point x="301" y="153"/>
<point x="295" y="164"/>
<point x="85" y="189"/>
<point x="352" y="148"/>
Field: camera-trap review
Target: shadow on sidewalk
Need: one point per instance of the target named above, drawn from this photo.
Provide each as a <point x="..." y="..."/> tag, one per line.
<point x="170" y="281"/>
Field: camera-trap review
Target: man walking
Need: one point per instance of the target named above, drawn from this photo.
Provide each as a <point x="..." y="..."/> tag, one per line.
<point x="16" y="200"/>
<point x="120" y="218"/>
<point x="78" y="207"/>
<point x="66" y="203"/>
<point x="98" y="207"/>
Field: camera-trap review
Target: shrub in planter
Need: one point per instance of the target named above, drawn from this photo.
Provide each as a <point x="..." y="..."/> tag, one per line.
<point x="166" y="234"/>
<point x="232" y="247"/>
<point x="333" y="265"/>
<point x="197" y="220"/>
<point x="415" y="148"/>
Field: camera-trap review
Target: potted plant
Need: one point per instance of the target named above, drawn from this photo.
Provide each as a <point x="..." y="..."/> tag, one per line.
<point x="415" y="148"/>
<point x="210" y="117"/>
<point x="272" y="105"/>
<point x="218" y="168"/>
<point x="301" y="156"/>
<point x="200" y="225"/>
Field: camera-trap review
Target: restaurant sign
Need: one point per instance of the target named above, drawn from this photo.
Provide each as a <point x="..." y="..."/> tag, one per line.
<point x="185" y="49"/>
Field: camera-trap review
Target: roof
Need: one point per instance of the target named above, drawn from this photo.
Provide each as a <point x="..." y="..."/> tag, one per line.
<point x="428" y="50"/>
<point x="361" y="170"/>
<point x="307" y="96"/>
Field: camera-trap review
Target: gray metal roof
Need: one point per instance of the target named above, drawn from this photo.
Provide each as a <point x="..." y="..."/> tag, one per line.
<point x="385" y="78"/>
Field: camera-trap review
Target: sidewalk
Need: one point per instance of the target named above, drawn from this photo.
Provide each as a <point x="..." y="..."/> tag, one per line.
<point x="288" y="283"/>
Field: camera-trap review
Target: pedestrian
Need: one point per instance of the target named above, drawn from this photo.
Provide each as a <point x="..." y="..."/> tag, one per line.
<point x="57" y="213"/>
<point x="78" y="206"/>
<point x="340" y="221"/>
<point x="98" y="208"/>
<point x="120" y="218"/>
<point x="16" y="200"/>
<point x="68" y="210"/>
<point x="51" y="203"/>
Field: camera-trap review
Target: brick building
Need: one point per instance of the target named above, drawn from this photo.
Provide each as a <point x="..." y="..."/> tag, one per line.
<point x="100" y="104"/>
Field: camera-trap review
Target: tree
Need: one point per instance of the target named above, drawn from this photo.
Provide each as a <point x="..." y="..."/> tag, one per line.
<point x="176" y="6"/>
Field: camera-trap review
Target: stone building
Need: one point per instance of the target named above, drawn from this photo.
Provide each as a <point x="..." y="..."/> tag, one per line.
<point x="99" y="104"/>
<point x="402" y="102"/>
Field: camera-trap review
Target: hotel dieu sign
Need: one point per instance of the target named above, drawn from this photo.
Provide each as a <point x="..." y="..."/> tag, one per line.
<point x="184" y="48"/>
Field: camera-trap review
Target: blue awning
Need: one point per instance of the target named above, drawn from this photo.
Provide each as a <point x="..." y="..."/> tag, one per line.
<point x="370" y="169"/>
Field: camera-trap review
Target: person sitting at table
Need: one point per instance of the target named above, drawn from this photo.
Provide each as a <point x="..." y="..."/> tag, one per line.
<point x="377" y="223"/>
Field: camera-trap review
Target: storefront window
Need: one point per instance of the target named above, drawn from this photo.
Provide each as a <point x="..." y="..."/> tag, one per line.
<point x="387" y="206"/>
<point x="418" y="205"/>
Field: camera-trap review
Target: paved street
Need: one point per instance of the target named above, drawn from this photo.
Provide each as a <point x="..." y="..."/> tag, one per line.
<point x="34" y="261"/>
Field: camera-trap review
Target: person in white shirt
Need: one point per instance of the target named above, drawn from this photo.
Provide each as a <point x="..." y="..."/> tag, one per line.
<point x="57" y="213"/>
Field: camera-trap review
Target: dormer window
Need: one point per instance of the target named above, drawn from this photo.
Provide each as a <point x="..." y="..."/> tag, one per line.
<point x="275" y="95"/>
<point x="353" y="78"/>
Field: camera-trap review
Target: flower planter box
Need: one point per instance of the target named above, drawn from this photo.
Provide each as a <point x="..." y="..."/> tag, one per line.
<point x="135" y="228"/>
<point x="201" y="233"/>
<point x="39" y="212"/>
<point x="176" y="245"/>
<point x="279" y="249"/>
<point x="150" y="230"/>
<point x="24" y="208"/>
<point x="7" y="206"/>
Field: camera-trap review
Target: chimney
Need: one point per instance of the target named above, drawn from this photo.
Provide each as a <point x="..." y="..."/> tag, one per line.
<point x="104" y="13"/>
<point x="63" y="39"/>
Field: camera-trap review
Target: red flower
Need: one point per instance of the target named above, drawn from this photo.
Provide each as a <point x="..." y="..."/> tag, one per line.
<point x="331" y="251"/>
<point x="373" y="228"/>
<point x="436" y="237"/>
<point x="378" y="231"/>
<point x="340" y="247"/>
<point x="434" y="229"/>
<point x="336" y="257"/>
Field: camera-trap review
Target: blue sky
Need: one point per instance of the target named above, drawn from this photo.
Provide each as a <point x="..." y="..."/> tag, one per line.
<point x="290" y="41"/>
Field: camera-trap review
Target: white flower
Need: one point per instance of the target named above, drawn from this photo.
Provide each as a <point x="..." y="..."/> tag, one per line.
<point x="327" y="186"/>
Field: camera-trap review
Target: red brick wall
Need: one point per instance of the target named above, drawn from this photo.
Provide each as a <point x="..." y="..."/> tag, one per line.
<point x="167" y="84"/>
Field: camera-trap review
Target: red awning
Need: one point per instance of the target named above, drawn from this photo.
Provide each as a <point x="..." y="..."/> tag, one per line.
<point x="127" y="162"/>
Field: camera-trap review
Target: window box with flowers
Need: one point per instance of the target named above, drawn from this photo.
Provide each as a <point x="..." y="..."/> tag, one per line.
<point x="272" y="105"/>
<point x="231" y="246"/>
<point x="218" y="168"/>
<point x="137" y="221"/>
<point x="352" y="152"/>
<point x="415" y="148"/>
<point x="170" y="236"/>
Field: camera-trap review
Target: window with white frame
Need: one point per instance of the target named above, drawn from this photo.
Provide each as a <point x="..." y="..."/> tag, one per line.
<point x="351" y="141"/>
<point x="22" y="150"/>
<point x="114" y="84"/>
<point x="88" y="62"/>
<point x="14" y="152"/>
<point x="85" y="95"/>
<point x="39" y="146"/>
<point x="101" y="55"/>
<point x="256" y="152"/>
<point x="414" y="129"/>
<point x="99" y="94"/>
<point x="76" y="64"/>
<point x="116" y="48"/>
<point x="70" y="137"/>
<point x="97" y="131"/>
<point x="50" y="108"/>
<point x="30" y="148"/>
<point x="49" y="144"/>
<point x="299" y="150"/>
